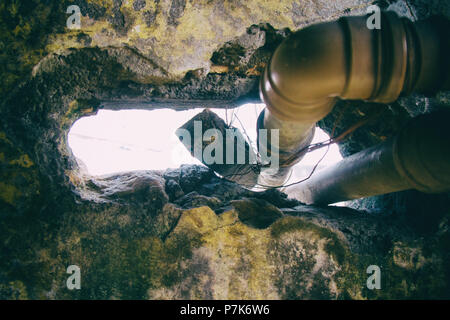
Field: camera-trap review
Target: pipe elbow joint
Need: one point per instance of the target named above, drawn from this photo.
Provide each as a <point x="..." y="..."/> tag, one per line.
<point x="293" y="85"/>
<point x="345" y="59"/>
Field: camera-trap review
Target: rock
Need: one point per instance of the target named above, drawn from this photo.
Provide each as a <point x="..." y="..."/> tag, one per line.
<point x="277" y="198"/>
<point x="138" y="4"/>
<point x="191" y="177"/>
<point x="193" y="200"/>
<point x="186" y="233"/>
<point x="408" y="257"/>
<point x="256" y="213"/>
<point x="222" y="271"/>
<point x="173" y="189"/>
<point x="139" y="188"/>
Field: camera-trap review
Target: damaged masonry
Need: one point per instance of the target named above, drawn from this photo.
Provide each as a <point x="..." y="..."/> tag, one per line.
<point x="226" y="151"/>
<point x="193" y="232"/>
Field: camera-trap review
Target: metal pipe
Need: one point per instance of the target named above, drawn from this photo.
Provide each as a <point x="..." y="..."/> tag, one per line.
<point x="293" y="137"/>
<point x="344" y="59"/>
<point x="417" y="158"/>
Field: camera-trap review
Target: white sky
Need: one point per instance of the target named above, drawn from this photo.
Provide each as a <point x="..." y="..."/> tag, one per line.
<point x="125" y="140"/>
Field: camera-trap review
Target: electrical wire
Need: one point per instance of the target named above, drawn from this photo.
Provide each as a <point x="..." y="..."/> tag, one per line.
<point x="317" y="146"/>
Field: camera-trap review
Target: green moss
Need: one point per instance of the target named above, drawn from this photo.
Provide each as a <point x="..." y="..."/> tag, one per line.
<point x="427" y="278"/>
<point x="333" y="247"/>
<point x="9" y="193"/>
<point x="23" y="161"/>
<point x="24" y="29"/>
<point x="114" y="266"/>
<point x="19" y="183"/>
<point x="14" y="290"/>
<point x="290" y="224"/>
<point x="77" y="109"/>
<point x="351" y="277"/>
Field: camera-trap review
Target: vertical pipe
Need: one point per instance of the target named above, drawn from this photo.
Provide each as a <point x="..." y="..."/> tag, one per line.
<point x="292" y="136"/>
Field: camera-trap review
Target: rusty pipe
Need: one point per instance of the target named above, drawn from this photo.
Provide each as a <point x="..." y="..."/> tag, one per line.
<point x="417" y="158"/>
<point x="344" y="59"/>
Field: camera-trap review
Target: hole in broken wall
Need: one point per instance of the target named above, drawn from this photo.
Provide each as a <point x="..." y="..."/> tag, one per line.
<point x="127" y="140"/>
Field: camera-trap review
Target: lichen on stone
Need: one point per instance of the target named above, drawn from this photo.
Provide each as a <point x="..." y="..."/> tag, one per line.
<point x="186" y="233"/>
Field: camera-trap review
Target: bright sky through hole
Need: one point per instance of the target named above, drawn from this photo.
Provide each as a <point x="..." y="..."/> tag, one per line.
<point x="126" y="140"/>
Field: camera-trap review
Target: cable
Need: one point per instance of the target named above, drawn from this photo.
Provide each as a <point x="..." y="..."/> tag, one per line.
<point x="307" y="149"/>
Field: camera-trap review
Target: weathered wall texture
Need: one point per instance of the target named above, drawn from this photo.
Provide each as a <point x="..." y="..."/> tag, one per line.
<point x="185" y="233"/>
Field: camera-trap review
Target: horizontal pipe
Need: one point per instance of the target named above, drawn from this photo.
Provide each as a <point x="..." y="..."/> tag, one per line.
<point x="417" y="158"/>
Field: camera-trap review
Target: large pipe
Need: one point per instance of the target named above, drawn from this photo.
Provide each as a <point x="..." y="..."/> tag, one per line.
<point x="292" y="136"/>
<point x="417" y="158"/>
<point x="344" y="59"/>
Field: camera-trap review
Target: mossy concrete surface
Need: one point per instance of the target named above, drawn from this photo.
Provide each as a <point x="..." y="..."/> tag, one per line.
<point x="131" y="242"/>
<point x="185" y="233"/>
